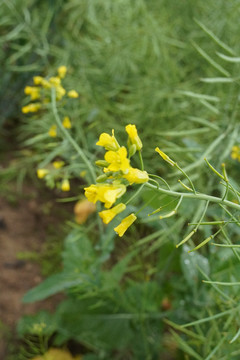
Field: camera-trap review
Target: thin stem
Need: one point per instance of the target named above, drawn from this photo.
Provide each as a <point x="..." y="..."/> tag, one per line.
<point x="160" y="178"/>
<point x="141" y="159"/>
<point x="197" y="196"/>
<point x="70" y="139"/>
<point x="185" y="174"/>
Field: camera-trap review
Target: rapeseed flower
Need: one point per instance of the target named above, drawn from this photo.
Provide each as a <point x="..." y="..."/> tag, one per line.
<point x="33" y="91"/>
<point x="117" y="160"/>
<point x="55" y="80"/>
<point x="34" y="107"/>
<point x="125" y="224"/>
<point x="62" y="70"/>
<point x="106" y="193"/>
<point x="60" y="92"/>
<point x="235" y="154"/>
<point x="136" y="176"/>
<point x="67" y="122"/>
<point x="109" y="215"/>
<point x="73" y="94"/>
<point x="108" y="142"/>
<point x="41" y="173"/>
<point x="133" y="137"/>
<point x="82" y="210"/>
<point x="53" y="131"/>
<point x="65" y="186"/>
<point x="37" y="80"/>
<point x="58" y="164"/>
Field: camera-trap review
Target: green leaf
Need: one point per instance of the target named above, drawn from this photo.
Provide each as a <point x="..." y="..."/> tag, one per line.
<point x="52" y="285"/>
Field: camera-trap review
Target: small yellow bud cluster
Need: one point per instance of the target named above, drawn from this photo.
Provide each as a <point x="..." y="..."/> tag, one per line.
<point x="117" y="175"/>
<point x="235" y="154"/>
<point x="55" y="175"/>
<point x="41" y="90"/>
<point x="66" y="124"/>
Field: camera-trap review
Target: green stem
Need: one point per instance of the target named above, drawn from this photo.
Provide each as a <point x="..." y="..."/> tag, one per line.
<point x="197" y="196"/>
<point x="141" y="159"/>
<point x="185" y="174"/>
<point x="70" y="139"/>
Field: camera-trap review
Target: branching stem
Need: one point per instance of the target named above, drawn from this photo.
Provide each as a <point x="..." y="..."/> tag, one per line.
<point x="197" y="196"/>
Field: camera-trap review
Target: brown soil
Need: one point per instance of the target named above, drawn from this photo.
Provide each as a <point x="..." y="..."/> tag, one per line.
<point x="23" y="227"/>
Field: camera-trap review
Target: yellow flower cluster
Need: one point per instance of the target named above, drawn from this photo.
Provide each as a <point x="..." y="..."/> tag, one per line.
<point x="58" y="164"/>
<point x="235" y="154"/>
<point x="41" y="90"/>
<point x="66" y="124"/>
<point x="117" y="175"/>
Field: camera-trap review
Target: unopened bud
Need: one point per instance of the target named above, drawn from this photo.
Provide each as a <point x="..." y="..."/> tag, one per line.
<point x="101" y="178"/>
<point x="102" y="163"/>
<point x="132" y="150"/>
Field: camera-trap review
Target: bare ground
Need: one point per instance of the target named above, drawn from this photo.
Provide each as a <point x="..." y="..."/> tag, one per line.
<point x="23" y="227"/>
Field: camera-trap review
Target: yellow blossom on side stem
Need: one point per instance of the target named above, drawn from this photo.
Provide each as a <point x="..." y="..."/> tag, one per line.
<point x="133" y="136"/>
<point x="108" y="142"/>
<point x="41" y="173"/>
<point x="55" y="80"/>
<point x="60" y="92"/>
<point x="106" y="193"/>
<point x="109" y="215"/>
<point x="33" y="91"/>
<point x="31" y="108"/>
<point x="53" y="131"/>
<point x="58" y="164"/>
<point x="46" y="84"/>
<point x="37" y="80"/>
<point x="67" y="122"/>
<point x="136" y="176"/>
<point x="117" y="160"/>
<point x="73" y="94"/>
<point x="235" y="154"/>
<point x="65" y="186"/>
<point x="125" y="224"/>
<point x="62" y="70"/>
<point x="82" y="210"/>
<point x="164" y="156"/>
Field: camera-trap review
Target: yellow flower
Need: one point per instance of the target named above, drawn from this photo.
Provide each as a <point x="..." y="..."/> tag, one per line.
<point x="55" y="81"/>
<point x="108" y="142"/>
<point x="59" y="354"/>
<point x="65" y="186"/>
<point x="33" y="91"/>
<point x="66" y="122"/>
<point x="53" y="131"/>
<point x="46" y="84"/>
<point x="58" y="164"/>
<point x="164" y="156"/>
<point x="117" y="159"/>
<point x="136" y="176"/>
<point x="125" y="223"/>
<point x="106" y="193"/>
<point x="108" y="215"/>
<point x="41" y="173"/>
<point x="235" y="154"/>
<point x="60" y="92"/>
<point x="31" y="108"/>
<point x="73" y="94"/>
<point x="37" y="80"/>
<point x="82" y="210"/>
<point x="133" y="136"/>
<point x="62" y="70"/>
